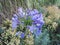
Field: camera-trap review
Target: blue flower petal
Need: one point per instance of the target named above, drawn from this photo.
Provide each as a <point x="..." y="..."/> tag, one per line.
<point x="22" y="35"/>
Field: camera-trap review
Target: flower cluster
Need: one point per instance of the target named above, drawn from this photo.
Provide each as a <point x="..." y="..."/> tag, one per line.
<point x="32" y="18"/>
<point x="37" y="23"/>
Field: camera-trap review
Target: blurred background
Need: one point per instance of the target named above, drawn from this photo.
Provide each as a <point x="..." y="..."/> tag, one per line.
<point x="51" y="13"/>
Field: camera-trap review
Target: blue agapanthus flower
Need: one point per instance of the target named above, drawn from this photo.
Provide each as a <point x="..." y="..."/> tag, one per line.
<point x="32" y="12"/>
<point x="20" y="12"/>
<point x="20" y="9"/>
<point x="32" y="28"/>
<point x="36" y="17"/>
<point x="15" y="16"/>
<point x="22" y="35"/>
<point x="35" y="30"/>
<point x="15" y="21"/>
<point x="33" y="15"/>
<point x="38" y="20"/>
<point x="37" y="23"/>
<point x="37" y="33"/>
<point x="18" y="33"/>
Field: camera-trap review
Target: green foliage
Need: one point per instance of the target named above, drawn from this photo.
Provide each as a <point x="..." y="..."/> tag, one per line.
<point x="58" y="2"/>
<point x="28" y="21"/>
<point x="43" y="39"/>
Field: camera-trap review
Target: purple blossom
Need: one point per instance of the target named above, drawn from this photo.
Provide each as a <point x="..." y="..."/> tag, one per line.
<point x="20" y="9"/>
<point x="32" y="28"/>
<point x="35" y="17"/>
<point x="17" y="33"/>
<point x="36" y="11"/>
<point x="33" y="12"/>
<point x="38" y="20"/>
<point x="15" y="21"/>
<point x="39" y="25"/>
<point x="37" y="33"/>
<point x="22" y="35"/>
<point x="15" y="16"/>
<point x="20" y="13"/>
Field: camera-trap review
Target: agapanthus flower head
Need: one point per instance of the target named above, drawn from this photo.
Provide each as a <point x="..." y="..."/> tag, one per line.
<point x="31" y="19"/>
